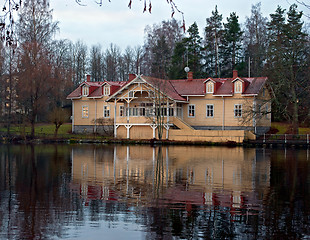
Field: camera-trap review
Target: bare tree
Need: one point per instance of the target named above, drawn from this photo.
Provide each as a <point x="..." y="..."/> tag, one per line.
<point x="79" y="62"/>
<point x="96" y="63"/>
<point x="106" y="126"/>
<point x="112" y="57"/>
<point x="255" y="41"/>
<point x="35" y="32"/>
<point x="58" y="117"/>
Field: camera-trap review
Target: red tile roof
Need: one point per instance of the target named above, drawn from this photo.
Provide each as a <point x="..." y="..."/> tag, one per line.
<point x="95" y="89"/>
<point x="165" y="86"/>
<point x="178" y="89"/>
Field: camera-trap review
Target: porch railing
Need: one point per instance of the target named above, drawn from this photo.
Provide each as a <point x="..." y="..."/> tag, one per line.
<point x="150" y="111"/>
<point x="284" y="138"/>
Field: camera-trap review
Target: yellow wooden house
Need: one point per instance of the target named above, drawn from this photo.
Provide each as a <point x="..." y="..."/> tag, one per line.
<point x="210" y="109"/>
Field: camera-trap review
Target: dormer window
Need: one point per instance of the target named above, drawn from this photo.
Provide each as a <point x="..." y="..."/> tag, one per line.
<point x="210" y="87"/>
<point x="106" y="90"/>
<point x="85" y="90"/>
<point x="238" y="87"/>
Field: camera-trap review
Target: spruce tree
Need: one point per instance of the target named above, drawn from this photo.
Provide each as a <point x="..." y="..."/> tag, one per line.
<point x="287" y="64"/>
<point x="213" y="38"/>
<point x="232" y="45"/>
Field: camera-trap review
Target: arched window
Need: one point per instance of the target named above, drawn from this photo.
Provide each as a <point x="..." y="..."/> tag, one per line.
<point x="106" y="90"/>
<point x="210" y="87"/>
<point x="85" y="90"/>
<point x="238" y="87"/>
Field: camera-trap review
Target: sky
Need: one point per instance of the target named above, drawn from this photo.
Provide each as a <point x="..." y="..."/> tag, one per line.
<point x="114" y="22"/>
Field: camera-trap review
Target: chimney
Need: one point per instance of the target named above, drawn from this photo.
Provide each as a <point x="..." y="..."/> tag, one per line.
<point x="131" y="76"/>
<point x="235" y="73"/>
<point x="190" y="76"/>
<point x="87" y="78"/>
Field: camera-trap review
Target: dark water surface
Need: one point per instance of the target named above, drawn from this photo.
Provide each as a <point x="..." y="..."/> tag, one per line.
<point x="140" y="192"/>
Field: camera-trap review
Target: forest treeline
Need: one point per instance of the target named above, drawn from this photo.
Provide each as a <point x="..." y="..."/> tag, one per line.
<point x="37" y="71"/>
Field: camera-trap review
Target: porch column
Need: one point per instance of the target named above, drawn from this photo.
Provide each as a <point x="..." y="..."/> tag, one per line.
<point x="168" y="119"/>
<point x="95" y="116"/>
<point x="167" y="131"/>
<point x="115" y="128"/>
<point x="128" y="130"/>
<point x="254" y="115"/>
<point x="72" y="116"/>
<point x="127" y="112"/>
<point x="223" y="115"/>
<point x="153" y="126"/>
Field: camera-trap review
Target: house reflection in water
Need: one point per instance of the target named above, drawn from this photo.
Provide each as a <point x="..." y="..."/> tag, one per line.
<point x="238" y="178"/>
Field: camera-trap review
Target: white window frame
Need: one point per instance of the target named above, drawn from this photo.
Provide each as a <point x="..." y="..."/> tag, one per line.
<point x="264" y="92"/>
<point x="238" y="110"/>
<point x="267" y="114"/>
<point x="238" y="87"/>
<point x="85" y="90"/>
<point x="189" y="110"/>
<point x="85" y="109"/>
<point x="121" y="111"/>
<point x="106" y="90"/>
<point x="106" y="111"/>
<point x="210" y="110"/>
<point x="210" y="87"/>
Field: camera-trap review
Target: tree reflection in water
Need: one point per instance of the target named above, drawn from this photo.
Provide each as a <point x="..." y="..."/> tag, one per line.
<point x="55" y="191"/>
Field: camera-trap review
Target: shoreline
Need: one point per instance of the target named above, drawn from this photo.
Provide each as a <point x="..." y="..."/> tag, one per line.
<point x="151" y="142"/>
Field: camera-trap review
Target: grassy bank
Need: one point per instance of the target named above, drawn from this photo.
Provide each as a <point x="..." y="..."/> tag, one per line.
<point x="284" y="128"/>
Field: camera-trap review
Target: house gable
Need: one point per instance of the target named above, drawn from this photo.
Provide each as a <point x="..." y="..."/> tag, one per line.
<point x="146" y="84"/>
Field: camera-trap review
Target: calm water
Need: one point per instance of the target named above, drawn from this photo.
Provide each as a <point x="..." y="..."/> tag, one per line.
<point x="140" y="192"/>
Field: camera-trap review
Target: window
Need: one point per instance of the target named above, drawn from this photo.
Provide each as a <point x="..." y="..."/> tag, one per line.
<point x="135" y="111"/>
<point x="121" y="111"/>
<point x="106" y="111"/>
<point x="210" y="110"/>
<point x="191" y="110"/>
<point x="84" y="111"/>
<point x="264" y="92"/>
<point x="85" y="91"/>
<point x="267" y="113"/>
<point x="238" y="87"/>
<point x="106" y="90"/>
<point x="238" y="110"/>
<point x="210" y="87"/>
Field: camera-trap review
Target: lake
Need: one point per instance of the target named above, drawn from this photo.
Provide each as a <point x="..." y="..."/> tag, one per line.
<point x="141" y="192"/>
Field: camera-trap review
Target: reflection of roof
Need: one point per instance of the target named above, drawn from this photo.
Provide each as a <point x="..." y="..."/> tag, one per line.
<point x="177" y="89"/>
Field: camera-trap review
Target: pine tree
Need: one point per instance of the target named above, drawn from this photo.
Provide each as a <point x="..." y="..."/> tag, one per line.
<point x="232" y="45"/>
<point x="213" y="38"/>
<point x="188" y="52"/>
<point x="287" y="63"/>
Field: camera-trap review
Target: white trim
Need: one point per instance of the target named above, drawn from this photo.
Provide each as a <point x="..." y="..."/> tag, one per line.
<point x="106" y="88"/>
<point x="194" y="111"/>
<point x="72" y="127"/>
<point x="224" y="95"/>
<point x="251" y="94"/>
<point x="84" y="92"/>
<point x="208" y="84"/>
<point x="210" y="110"/>
<point x="95" y="97"/>
<point x="209" y="79"/>
<point x="237" y="109"/>
<point x="83" y="111"/>
<point x="75" y="98"/>
<point x="109" y="110"/>
<point x="236" y="87"/>
<point x="190" y="96"/>
<point x="119" y="110"/>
